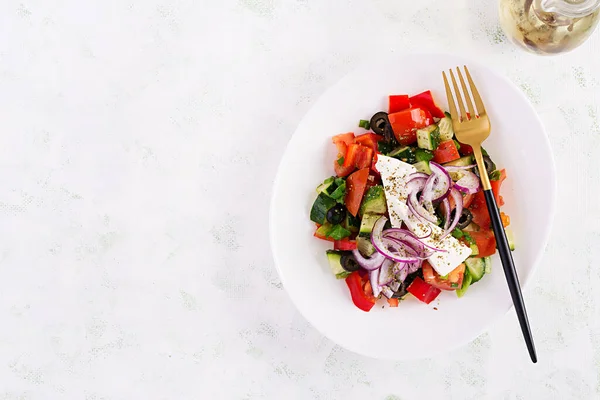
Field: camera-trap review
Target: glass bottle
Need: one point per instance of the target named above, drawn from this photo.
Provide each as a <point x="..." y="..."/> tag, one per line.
<point x="549" y="26"/>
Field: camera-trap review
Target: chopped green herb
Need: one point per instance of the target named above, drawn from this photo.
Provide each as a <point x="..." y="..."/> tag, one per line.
<point x="454" y="284"/>
<point x="495" y="176"/>
<point x="444" y="276"/>
<point x="364" y="124"/>
<point x="338" y="232"/>
<point x="485" y="153"/>
<point x="340" y="161"/>
<point x="457" y="144"/>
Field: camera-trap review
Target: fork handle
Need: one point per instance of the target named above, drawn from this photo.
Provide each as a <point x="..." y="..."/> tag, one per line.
<point x="509" y="271"/>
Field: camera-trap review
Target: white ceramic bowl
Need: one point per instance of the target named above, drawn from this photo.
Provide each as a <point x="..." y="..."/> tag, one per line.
<point x="413" y="330"/>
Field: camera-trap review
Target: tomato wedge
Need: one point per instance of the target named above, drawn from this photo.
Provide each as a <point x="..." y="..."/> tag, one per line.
<point x="346" y="138"/>
<point x="398" y="103"/>
<point x="486" y="242"/>
<point x="452" y="282"/>
<point x="355" y="189"/>
<point x="341" y="142"/>
<point x="423" y="291"/>
<point x="358" y="156"/>
<point x="361" y="291"/>
<point x="496" y="185"/>
<point x="425" y="100"/>
<point x="478" y="208"/>
<point x="369" y="140"/>
<point x="405" y="123"/>
<point x="446" y="152"/>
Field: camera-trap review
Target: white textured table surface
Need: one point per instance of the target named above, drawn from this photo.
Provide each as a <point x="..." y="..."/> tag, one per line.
<point x="138" y="144"/>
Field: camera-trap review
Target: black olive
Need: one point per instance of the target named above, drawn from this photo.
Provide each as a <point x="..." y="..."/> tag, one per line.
<point x="389" y="137"/>
<point x="336" y="214"/>
<point x="465" y="219"/>
<point x="489" y="166"/>
<point x="349" y="262"/>
<point x="379" y="122"/>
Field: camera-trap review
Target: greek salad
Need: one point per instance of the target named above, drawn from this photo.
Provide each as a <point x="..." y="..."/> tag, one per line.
<point x="405" y="210"/>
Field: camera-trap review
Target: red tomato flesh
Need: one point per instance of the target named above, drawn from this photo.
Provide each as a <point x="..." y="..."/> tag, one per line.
<point x="344" y="244"/>
<point x="486" y="242"/>
<point x="369" y="140"/>
<point x="355" y="189"/>
<point x="452" y="282"/>
<point x="446" y="152"/>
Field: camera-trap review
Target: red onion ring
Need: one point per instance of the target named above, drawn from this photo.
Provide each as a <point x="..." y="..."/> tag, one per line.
<point x="453" y="168"/>
<point x="385" y="273"/>
<point x="458" y="199"/>
<point x="370" y="264"/>
<point x="469" y="183"/>
<point x="374" y="278"/>
<point x="382" y="247"/>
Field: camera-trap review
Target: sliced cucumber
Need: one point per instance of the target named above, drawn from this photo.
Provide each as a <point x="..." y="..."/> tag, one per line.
<point x="374" y="202"/>
<point x="474" y="249"/>
<point x="322" y="204"/>
<point x="429" y="137"/>
<point x="405" y="154"/>
<point x="423" y="155"/>
<point x="367" y="223"/>
<point x="423" y="166"/>
<point x="488" y="265"/>
<point x="467" y="280"/>
<point x="327" y="186"/>
<point x="476" y="268"/>
<point x="461" y="162"/>
<point x="335" y="263"/>
<point x="446" y="130"/>
<point x="511" y="238"/>
<point x="365" y="246"/>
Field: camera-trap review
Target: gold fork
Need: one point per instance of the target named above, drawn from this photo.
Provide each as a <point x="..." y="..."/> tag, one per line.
<point x="472" y="126"/>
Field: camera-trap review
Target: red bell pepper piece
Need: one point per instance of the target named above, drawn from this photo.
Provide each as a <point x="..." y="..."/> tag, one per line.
<point x="361" y="291"/>
<point x="405" y="124"/>
<point x="398" y="102"/>
<point x="344" y="244"/>
<point x="446" y="152"/>
<point x="423" y="291"/>
<point x="425" y="100"/>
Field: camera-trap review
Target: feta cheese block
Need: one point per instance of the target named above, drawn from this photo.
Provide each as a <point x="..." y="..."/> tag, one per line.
<point x="394" y="174"/>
